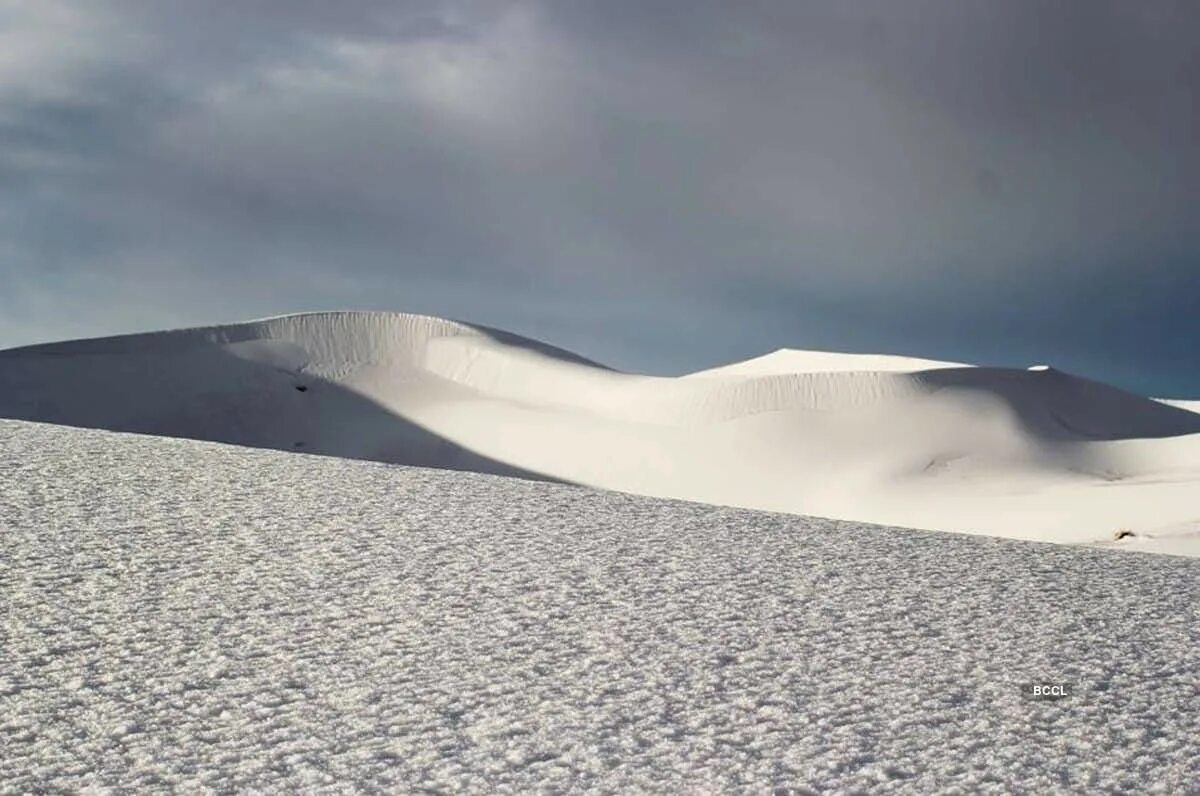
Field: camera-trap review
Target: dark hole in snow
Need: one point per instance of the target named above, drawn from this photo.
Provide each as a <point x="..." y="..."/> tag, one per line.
<point x="301" y="388"/>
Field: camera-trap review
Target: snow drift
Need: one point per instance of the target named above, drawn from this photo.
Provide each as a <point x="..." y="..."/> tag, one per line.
<point x="189" y="616"/>
<point x="1024" y="453"/>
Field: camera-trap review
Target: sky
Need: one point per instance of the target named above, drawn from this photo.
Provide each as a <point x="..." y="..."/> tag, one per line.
<point x="660" y="186"/>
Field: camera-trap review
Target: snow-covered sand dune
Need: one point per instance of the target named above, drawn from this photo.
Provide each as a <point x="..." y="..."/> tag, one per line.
<point x="182" y="615"/>
<point x="1035" y="454"/>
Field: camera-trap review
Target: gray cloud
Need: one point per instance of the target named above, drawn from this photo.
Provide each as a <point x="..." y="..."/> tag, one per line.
<point x="657" y="184"/>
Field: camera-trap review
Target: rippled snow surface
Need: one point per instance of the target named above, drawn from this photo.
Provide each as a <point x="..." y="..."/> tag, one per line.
<point x="179" y="613"/>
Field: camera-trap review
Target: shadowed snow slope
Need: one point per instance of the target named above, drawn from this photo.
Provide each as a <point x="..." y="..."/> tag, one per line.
<point x="1033" y="453"/>
<point x="186" y="616"/>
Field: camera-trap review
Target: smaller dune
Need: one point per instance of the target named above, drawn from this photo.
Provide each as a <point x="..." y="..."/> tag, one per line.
<point x="790" y="360"/>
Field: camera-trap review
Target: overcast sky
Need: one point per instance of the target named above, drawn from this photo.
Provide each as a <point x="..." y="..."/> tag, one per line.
<point x="661" y="186"/>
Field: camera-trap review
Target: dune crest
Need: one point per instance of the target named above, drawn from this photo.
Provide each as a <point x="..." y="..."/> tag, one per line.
<point x="1032" y="453"/>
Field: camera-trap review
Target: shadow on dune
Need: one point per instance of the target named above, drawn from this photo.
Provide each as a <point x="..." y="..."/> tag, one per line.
<point x="206" y="393"/>
<point x="1059" y="406"/>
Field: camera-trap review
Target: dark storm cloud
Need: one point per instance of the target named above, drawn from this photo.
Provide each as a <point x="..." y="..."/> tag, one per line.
<point x="659" y="184"/>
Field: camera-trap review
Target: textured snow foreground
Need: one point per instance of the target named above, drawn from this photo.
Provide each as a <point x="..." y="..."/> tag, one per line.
<point x="209" y="616"/>
<point x="1034" y="454"/>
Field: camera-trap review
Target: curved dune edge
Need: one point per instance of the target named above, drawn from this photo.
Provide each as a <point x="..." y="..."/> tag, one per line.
<point x="1191" y="406"/>
<point x="1033" y="454"/>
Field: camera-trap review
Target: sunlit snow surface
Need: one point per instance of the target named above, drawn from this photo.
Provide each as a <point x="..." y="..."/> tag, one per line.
<point x="179" y="613"/>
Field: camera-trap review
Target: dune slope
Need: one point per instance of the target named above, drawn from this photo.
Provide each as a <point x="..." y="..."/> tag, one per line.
<point x="1036" y="454"/>
<point x="187" y="616"/>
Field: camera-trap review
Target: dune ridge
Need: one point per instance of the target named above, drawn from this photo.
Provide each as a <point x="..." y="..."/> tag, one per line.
<point x="1036" y="454"/>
